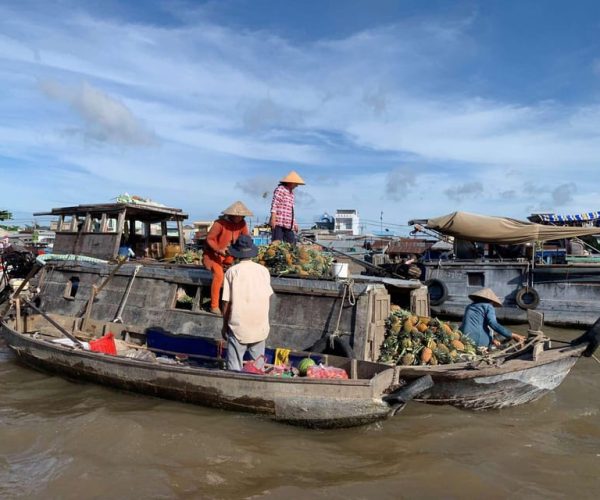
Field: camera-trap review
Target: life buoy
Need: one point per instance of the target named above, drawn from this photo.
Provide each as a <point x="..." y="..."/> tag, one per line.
<point x="527" y="298"/>
<point x="341" y="347"/>
<point x="438" y="291"/>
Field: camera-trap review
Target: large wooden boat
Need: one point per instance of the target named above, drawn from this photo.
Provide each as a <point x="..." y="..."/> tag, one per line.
<point x="366" y="396"/>
<point x="501" y="254"/>
<point x="345" y="317"/>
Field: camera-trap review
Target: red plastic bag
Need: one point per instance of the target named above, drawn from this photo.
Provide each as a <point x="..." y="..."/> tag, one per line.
<point x="256" y="366"/>
<point x="326" y="372"/>
<point x="104" y="344"/>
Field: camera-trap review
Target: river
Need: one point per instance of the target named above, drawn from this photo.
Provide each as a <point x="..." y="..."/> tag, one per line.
<point x="60" y="439"/>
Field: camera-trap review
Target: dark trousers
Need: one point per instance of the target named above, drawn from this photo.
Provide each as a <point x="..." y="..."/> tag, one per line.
<point x="283" y="234"/>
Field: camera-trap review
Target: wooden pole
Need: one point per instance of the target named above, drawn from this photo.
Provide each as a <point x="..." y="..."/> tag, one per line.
<point x="54" y="323"/>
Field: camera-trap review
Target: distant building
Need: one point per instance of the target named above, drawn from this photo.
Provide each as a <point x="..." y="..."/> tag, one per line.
<point x="347" y="222"/>
<point x="326" y="222"/>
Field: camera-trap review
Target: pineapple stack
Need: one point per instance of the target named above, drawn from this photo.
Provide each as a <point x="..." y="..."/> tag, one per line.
<point x="415" y="340"/>
<point x="282" y="258"/>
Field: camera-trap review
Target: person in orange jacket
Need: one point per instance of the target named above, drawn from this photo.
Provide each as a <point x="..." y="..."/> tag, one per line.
<point x="224" y="232"/>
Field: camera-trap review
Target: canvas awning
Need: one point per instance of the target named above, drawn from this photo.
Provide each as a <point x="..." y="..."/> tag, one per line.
<point x="502" y="230"/>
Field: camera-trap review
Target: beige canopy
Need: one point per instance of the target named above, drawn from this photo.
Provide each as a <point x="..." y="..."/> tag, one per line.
<point x="502" y="230"/>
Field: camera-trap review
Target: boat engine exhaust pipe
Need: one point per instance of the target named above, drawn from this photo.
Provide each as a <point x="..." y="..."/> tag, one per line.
<point x="408" y="392"/>
<point x="592" y="336"/>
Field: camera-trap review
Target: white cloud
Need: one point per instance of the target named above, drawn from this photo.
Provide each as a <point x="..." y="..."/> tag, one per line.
<point x="233" y="108"/>
<point x="106" y="119"/>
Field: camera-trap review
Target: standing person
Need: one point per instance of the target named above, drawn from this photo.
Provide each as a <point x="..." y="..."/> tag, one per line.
<point x="283" y="221"/>
<point x="246" y="293"/>
<point x="479" y="322"/>
<point x="223" y="233"/>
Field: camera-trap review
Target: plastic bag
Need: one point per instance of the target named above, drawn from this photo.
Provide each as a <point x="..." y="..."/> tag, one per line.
<point x="256" y="366"/>
<point x="326" y="372"/>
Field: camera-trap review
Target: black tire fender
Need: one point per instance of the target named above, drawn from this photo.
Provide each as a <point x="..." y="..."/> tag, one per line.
<point x="437" y="290"/>
<point x="341" y="347"/>
<point x="527" y="298"/>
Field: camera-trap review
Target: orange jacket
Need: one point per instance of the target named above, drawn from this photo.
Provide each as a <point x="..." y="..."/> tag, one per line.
<point x="221" y="235"/>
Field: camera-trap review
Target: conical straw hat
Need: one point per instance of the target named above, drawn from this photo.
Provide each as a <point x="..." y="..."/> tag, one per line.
<point x="237" y="208"/>
<point x="488" y="294"/>
<point x="293" y="178"/>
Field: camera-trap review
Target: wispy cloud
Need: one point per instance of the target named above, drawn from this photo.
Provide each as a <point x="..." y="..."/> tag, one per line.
<point x="399" y="181"/>
<point x="468" y="190"/>
<point x="229" y="110"/>
<point x="105" y="118"/>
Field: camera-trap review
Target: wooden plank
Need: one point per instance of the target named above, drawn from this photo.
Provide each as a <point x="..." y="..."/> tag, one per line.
<point x="163" y="230"/>
<point x="18" y="319"/>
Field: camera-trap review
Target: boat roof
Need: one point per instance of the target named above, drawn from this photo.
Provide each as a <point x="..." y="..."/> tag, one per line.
<point x="502" y="230"/>
<point x="144" y="211"/>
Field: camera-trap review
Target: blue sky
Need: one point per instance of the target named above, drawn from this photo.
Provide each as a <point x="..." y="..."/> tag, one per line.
<point x="409" y="108"/>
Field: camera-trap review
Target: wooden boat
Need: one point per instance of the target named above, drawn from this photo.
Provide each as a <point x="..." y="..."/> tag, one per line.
<point x="143" y="291"/>
<point x="372" y="392"/>
<point x="512" y="377"/>
<point x="500" y="253"/>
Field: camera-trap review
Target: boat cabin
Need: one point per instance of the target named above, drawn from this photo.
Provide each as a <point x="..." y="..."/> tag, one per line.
<point x="106" y="230"/>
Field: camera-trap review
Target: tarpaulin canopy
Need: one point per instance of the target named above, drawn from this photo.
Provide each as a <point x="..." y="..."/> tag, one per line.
<point x="502" y="230"/>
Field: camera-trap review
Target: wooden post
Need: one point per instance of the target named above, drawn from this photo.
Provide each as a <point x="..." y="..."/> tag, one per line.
<point x="103" y="223"/>
<point x="181" y="235"/>
<point x="87" y="225"/>
<point x="163" y="230"/>
<point x="88" y="309"/>
<point x="18" y="323"/>
<point x="353" y="369"/>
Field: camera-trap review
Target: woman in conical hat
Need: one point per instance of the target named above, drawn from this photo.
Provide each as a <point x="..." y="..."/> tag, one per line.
<point x="283" y="220"/>
<point x="223" y="233"/>
<point x="480" y="323"/>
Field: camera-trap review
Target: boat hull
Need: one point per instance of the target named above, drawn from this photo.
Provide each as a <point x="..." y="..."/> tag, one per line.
<point x="513" y="383"/>
<point x="569" y="295"/>
<point x="311" y="403"/>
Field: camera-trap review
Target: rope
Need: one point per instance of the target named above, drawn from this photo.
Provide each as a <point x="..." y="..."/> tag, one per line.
<point x="348" y="288"/>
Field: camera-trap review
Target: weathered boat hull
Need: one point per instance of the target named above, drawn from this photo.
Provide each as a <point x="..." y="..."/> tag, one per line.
<point x="302" y="312"/>
<point x="513" y="383"/>
<point x="569" y="295"/>
<point x="306" y="402"/>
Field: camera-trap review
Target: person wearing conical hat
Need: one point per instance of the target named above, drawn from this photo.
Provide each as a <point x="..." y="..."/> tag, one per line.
<point x="480" y="323"/>
<point x="283" y="220"/>
<point x="224" y="232"/>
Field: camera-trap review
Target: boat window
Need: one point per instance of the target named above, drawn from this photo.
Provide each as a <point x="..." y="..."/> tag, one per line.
<point x="96" y="225"/>
<point x="111" y="224"/>
<point x="71" y="288"/>
<point x="67" y="223"/>
<point x="476" y="279"/>
<point x="187" y="297"/>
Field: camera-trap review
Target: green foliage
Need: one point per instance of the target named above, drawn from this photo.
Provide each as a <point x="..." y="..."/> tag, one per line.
<point x="5" y="215"/>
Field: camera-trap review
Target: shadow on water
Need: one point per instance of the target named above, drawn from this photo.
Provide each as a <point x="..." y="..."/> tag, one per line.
<point x="70" y="440"/>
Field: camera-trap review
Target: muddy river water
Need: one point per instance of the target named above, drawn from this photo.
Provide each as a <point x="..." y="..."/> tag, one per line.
<point x="60" y="439"/>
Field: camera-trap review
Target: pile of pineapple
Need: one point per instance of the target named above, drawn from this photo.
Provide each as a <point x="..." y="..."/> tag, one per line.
<point x="282" y="258"/>
<point x="416" y="340"/>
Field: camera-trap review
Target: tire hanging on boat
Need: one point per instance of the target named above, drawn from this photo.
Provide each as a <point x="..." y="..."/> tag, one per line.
<point x="527" y="298"/>
<point x="438" y="291"/>
<point x="341" y="347"/>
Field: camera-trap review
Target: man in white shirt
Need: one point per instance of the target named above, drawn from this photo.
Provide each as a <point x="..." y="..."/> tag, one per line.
<point x="246" y="293"/>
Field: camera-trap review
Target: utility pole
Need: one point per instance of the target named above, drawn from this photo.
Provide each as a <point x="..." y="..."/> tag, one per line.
<point x="381" y="221"/>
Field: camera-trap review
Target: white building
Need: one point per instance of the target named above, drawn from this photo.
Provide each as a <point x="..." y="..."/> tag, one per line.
<point x="347" y="222"/>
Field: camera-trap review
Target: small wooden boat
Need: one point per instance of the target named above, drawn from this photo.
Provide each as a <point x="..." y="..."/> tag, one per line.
<point x="509" y="378"/>
<point x="372" y="392"/>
